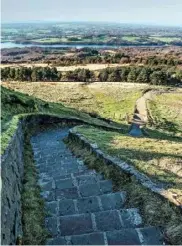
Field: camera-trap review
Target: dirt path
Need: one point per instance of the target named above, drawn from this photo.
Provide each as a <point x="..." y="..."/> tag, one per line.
<point x="141" y="107"/>
<point x="141" y="117"/>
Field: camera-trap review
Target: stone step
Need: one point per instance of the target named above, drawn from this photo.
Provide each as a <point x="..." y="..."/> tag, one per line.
<point x="44" y="177"/>
<point x="85" y="190"/>
<point x="86" y="205"/>
<point x="109" y="220"/>
<point x="51" y="193"/>
<point x="77" y="181"/>
<point x="131" y="236"/>
<point x="63" y="170"/>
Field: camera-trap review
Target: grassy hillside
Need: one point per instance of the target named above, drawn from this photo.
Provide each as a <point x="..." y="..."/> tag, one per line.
<point x="109" y="100"/>
<point x="160" y="158"/>
<point x="16" y="104"/>
<point x="166" y="112"/>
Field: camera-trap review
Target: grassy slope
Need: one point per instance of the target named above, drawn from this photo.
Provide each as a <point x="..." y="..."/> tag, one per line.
<point x="15" y="104"/>
<point x="158" y="158"/>
<point x="166" y="112"/>
<point x="110" y="100"/>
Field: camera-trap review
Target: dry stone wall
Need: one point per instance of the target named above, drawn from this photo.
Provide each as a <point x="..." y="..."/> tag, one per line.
<point x="12" y="174"/>
<point x="12" y="169"/>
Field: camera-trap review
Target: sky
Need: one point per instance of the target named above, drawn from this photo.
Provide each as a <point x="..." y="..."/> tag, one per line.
<point x="160" y="12"/>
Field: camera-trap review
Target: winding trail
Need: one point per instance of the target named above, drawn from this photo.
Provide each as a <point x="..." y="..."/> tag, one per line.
<point x="82" y="208"/>
<point x="140" y="116"/>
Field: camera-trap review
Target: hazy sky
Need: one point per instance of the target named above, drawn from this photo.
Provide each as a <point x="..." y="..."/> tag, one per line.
<point x="167" y="12"/>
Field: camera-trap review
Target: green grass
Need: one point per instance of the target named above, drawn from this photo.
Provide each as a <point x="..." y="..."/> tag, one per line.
<point x="158" y="158"/>
<point x="116" y="105"/>
<point x="166" y="112"/>
<point x="33" y="213"/>
<point x="130" y="38"/>
<point x="109" y="100"/>
<point x="165" y="39"/>
<point x="48" y="40"/>
<point x="154" y="210"/>
<point x="16" y="105"/>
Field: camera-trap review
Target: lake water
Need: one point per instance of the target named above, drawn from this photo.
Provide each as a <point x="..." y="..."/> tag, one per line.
<point x="78" y="46"/>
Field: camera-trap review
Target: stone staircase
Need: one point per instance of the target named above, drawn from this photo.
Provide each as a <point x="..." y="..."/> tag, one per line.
<point x="82" y="208"/>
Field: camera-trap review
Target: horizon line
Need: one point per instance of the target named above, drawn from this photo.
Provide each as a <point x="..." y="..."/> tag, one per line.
<point x="84" y="21"/>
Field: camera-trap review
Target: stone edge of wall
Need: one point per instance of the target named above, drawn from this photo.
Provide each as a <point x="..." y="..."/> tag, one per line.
<point x="11" y="178"/>
<point x="140" y="177"/>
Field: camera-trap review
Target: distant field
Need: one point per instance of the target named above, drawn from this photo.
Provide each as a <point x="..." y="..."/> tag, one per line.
<point x="130" y="38"/>
<point x="104" y="38"/>
<point x="110" y="100"/>
<point x="48" y="40"/>
<point x="166" y="39"/>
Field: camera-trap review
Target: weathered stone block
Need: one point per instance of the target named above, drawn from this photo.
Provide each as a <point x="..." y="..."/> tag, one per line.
<point x="51" y="224"/>
<point x="89" y="190"/>
<point x="96" y="238"/>
<point x="51" y="208"/>
<point x="113" y="200"/>
<point x="131" y="218"/>
<point x="66" y="207"/>
<point x="56" y="241"/>
<point x="106" y="186"/>
<point x="64" y="183"/>
<point x="108" y="220"/>
<point x="86" y="179"/>
<point x="87" y="205"/>
<point x="71" y="193"/>
<point x="151" y="236"/>
<point x="75" y="224"/>
<point x="123" y="237"/>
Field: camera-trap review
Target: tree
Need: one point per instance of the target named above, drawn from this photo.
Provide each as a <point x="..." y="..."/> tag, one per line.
<point x="34" y="74"/>
<point x="12" y="73"/>
<point x="158" y="78"/>
<point x="84" y="75"/>
<point x="132" y="76"/>
<point x="103" y="75"/>
<point x="144" y="75"/>
<point x="124" y="73"/>
<point x="115" y="76"/>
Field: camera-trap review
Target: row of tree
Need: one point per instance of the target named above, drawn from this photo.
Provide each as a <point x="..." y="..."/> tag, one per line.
<point x="138" y="74"/>
<point x="120" y="58"/>
<point x="31" y="74"/>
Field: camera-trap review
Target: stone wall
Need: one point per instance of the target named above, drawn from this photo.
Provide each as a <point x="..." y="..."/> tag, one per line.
<point x="12" y="168"/>
<point x="12" y="175"/>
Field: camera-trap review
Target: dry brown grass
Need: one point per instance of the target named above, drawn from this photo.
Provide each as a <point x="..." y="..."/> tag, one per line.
<point x="91" y="67"/>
